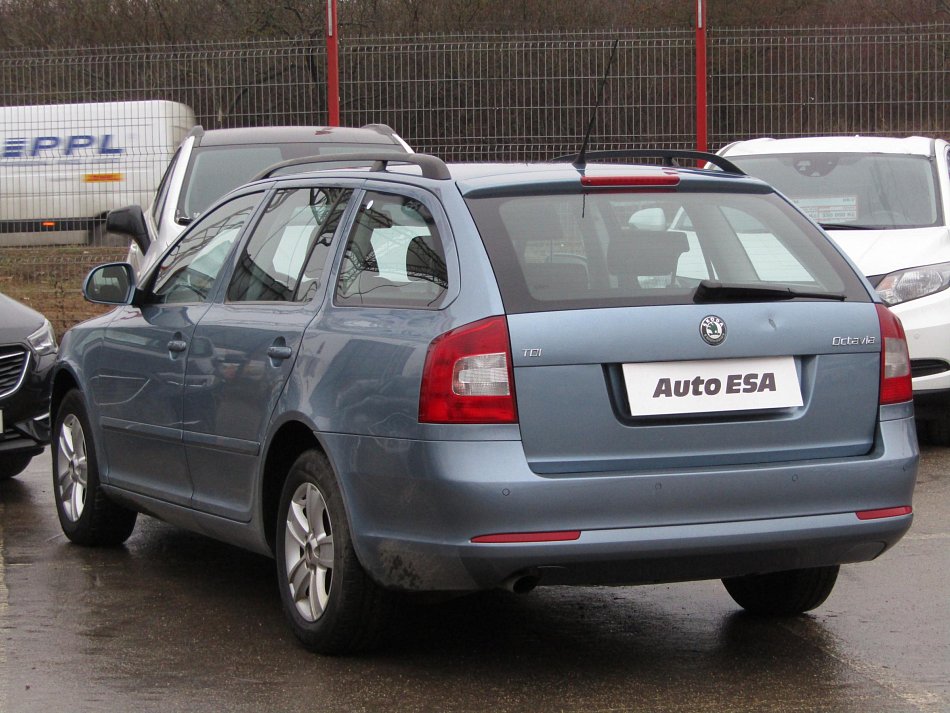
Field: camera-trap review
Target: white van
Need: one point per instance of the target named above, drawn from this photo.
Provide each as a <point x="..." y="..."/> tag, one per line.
<point x="63" y="167"/>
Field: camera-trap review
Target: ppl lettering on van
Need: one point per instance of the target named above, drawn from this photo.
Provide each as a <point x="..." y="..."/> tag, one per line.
<point x="44" y="146"/>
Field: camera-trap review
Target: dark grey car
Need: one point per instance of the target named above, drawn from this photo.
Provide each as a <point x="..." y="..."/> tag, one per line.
<point x="27" y="352"/>
<point x="449" y="378"/>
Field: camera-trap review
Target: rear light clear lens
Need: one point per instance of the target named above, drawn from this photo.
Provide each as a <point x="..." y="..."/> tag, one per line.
<point x="482" y="375"/>
<point x="468" y="376"/>
<point x="895" y="361"/>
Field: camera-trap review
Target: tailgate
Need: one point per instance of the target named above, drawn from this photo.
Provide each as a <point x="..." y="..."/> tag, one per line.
<point x="638" y="388"/>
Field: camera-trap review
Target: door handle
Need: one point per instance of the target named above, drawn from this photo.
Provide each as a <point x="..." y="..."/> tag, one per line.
<point x="177" y="345"/>
<point x="279" y="352"/>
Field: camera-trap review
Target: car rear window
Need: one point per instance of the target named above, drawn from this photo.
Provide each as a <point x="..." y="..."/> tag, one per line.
<point x="589" y="250"/>
<point x="215" y="170"/>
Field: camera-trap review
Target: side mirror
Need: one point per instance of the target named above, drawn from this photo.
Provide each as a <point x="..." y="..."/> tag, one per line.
<point x="129" y="221"/>
<point x="111" y="284"/>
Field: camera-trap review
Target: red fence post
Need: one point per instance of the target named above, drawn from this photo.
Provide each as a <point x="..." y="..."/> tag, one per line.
<point x="701" y="142"/>
<point x="333" y="66"/>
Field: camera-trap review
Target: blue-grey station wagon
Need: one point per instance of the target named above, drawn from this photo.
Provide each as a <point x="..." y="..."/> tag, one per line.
<point x="420" y="377"/>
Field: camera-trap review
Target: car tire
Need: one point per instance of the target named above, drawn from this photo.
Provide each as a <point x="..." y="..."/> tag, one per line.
<point x="13" y="464"/>
<point x="332" y="604"/>
<point x="782" y="593"/>
<point x="86" y="515"/>
<point x="938" y="431"/>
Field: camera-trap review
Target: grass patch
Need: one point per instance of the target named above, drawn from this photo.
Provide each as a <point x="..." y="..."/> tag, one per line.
<point x="49" y="279"/>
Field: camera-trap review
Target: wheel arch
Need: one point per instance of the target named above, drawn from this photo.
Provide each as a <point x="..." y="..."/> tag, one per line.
<point x="291" y="439"/>
<point x="63" y="382"/>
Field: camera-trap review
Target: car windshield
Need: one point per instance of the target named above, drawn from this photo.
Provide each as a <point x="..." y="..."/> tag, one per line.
<point x="215" y="170"/>
<point x="624" y="249"/>
<point x="853" y="190"/>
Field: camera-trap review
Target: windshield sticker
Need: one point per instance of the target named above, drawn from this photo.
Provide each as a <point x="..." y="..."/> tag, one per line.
<point x="839" y="209"/>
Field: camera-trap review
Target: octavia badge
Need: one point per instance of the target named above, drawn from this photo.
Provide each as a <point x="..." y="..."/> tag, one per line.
<point x="713" y="330"/>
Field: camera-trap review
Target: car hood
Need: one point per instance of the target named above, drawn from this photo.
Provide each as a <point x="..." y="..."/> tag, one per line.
<point x="878" y="252"/>
<point x="17" y="321"/>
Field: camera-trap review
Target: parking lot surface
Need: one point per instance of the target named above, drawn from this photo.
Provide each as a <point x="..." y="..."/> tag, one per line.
<point x="173" y="621"/>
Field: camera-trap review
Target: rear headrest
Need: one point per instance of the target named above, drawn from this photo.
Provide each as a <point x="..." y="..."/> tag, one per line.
<point x="646" y="252"/>
<point x="555" y="277"/>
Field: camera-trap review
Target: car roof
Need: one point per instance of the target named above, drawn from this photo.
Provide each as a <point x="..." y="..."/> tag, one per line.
<point x="912" y="145"/>
<point x="482" y="179"/>
<point x="292" y="134"/>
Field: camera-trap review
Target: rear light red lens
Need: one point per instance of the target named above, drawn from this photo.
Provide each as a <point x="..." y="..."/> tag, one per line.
<point x="884" y="512"/>
<point x="654" y="179"/>
<point x="896" y="384"/>
<point x="513" y="537"/>
<point x="468" y="376"/>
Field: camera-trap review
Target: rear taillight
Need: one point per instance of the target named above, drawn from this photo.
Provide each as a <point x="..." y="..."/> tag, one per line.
<point x="468" y="376"/>
<point x="895" y="361"/>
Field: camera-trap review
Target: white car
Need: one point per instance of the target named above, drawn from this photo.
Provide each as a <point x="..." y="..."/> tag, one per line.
<point x="886" y="203"/>
<point x="208" y="164"/>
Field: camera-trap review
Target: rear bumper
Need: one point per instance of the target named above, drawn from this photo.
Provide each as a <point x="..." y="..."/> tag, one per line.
<point x="414" y="532"/>
<point x="643" y="555"/>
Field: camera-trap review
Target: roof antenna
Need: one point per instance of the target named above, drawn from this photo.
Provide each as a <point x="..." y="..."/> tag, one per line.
<point x="581" y="161"/>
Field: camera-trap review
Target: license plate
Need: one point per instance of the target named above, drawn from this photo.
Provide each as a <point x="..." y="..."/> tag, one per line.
<point x="688" y="387"/>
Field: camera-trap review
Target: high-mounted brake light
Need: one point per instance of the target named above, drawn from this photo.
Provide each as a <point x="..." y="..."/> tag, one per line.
<point x="896" y="383"/>
<point x="642" y="181"/>
<point x="468" y="376"/>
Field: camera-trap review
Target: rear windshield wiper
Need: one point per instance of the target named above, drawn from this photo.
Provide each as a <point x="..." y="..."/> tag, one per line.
<point x="714" y="291"/>
<point x="845" y="226"/>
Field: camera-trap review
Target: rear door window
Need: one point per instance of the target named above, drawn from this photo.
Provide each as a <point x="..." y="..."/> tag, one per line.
<point x="614" y="249"/>
<point x="284" y="259"/>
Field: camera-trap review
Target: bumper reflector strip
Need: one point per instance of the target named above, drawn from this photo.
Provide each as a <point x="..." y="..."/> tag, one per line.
<point x="884" y="512"/>
<point x="512" y="537"/>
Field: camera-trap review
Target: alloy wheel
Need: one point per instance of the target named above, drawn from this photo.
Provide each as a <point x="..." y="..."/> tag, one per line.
<point x="72" y="468"/>
<point x="308" y="551"/>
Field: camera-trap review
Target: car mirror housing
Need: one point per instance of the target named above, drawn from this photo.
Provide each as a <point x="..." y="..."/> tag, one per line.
<point x="111" y="284"/>
<point x="129" y="221"/>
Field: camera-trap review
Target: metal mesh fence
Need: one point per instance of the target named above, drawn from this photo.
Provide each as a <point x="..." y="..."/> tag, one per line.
<point x="527" y="96"/>
<point x="472" y="97"/>
<point x="782" y="83"/>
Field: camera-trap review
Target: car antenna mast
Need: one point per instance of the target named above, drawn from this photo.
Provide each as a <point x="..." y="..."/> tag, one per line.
<point x="580" y="161"/>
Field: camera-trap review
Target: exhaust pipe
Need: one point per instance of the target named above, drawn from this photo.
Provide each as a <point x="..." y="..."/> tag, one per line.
<point x="522" y="582"/>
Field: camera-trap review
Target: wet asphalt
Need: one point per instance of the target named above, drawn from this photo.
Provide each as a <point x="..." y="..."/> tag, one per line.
<point x="173" y="621"/>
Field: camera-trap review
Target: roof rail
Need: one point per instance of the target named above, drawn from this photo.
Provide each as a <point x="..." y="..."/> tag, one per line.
<point x="432" y="166"/>
<point x="383" y="129"/>
<point x="669" y="157"/>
